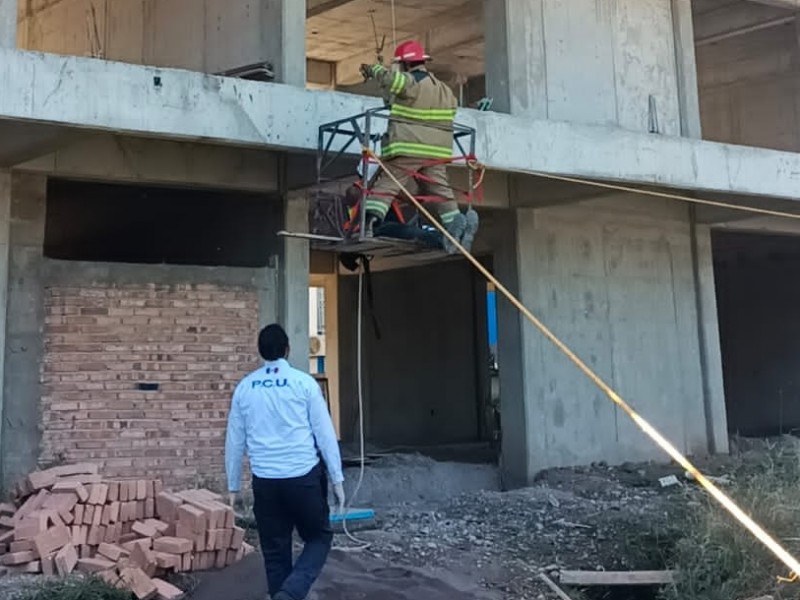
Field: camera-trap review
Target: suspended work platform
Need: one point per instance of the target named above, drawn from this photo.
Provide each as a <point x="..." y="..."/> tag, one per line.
<point x="336" y="221"/>
<point x="379" y="247"/>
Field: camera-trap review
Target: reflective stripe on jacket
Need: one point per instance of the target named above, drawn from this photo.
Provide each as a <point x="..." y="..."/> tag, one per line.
<point x="418" y="101"/>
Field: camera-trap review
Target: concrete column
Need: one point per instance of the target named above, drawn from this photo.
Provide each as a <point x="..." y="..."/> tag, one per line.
<point x="283" y="39"/>
<point x="709" y="340"/>
<point x="8" y="23"/>
<point x="629" y="288"/>
<point x="283" y="290"/>
<point x="605" y="62"/>
<point x="239" y="33"/>
<point x="293" y="277"/>
<point x="514" y="423"/>
<point x="5" y="219"/>
<point x="685" y="59"/>
<point x="25" y="319"/>
<point x="515" y="52"/>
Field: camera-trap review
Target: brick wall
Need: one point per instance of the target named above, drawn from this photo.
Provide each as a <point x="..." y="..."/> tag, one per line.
<point x="194" y="341"/>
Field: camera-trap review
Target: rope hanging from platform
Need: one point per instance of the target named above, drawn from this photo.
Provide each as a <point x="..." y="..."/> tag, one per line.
<point x="727" y="503"/>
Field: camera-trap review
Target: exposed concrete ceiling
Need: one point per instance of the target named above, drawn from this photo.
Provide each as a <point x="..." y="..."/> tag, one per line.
<point x="788" y="4"/>
<point x="718" y="20"/>
<point x="341" y="31"/>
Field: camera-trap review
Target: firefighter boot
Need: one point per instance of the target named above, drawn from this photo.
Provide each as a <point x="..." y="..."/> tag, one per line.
<point x="472" y="225"/>
<point x="456" y="228"/>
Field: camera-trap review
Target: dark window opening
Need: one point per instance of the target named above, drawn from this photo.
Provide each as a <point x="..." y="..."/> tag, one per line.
<point x="154" y="225"/>
<point x="757" y="278"/>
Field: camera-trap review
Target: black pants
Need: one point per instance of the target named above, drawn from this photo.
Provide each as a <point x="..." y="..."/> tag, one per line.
<point x="281" y="505"/>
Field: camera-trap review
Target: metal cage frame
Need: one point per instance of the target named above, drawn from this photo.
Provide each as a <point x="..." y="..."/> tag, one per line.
<point x="359" y="128"/>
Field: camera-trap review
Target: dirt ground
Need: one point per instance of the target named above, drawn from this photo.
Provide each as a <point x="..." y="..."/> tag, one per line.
<point x="348" y="576"/>
<point x="436" y="544"/>
<point x="492" y="545"/>
<point x="445" y="532"/>
<point x="452" y="541"/>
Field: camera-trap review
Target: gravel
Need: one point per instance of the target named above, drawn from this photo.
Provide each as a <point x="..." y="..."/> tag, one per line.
<point x="593" y="518"/>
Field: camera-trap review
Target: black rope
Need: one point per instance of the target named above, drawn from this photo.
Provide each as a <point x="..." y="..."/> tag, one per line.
<point x="350" y="262"/>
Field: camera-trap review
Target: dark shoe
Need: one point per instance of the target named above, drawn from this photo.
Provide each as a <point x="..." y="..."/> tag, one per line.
<point x="472" y="224"/>
<point x="456" y="228"/>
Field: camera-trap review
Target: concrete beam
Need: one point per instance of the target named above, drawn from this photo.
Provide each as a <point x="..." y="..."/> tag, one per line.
<point x="126" y="159"/>
<point x="317" y="7"/>
<point x="773" y="225"/>
<point x="726" y="35"/>
<point x="734" y="19"/>
<point x="185" y="106"/>
<point x="768" y="54"/>
<point x="785" y="4"/>
<point x="8" y="23"/>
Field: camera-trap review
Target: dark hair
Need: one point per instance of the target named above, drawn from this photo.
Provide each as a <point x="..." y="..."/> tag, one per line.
<point x="273" y="342"/>
<point x="415" y="64"/>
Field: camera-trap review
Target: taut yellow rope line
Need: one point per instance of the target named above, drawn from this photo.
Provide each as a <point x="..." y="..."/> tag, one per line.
<point x="625" y="188"/>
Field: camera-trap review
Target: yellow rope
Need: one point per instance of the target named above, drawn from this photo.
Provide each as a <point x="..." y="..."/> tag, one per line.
<point x="624" y="188"/>
<point x="648" y="429"/>
<point x="394" y="26"/>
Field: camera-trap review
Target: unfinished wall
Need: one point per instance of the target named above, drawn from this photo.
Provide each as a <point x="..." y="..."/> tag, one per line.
<point x="749" y="88"/>
<point x="206" y="35"/>
<point x="82" y="336"/>
<point x="616" y="280"/>
<point x="422" y="378"/>
<point x="758" y="288"/>
<point x="103" y="342"/>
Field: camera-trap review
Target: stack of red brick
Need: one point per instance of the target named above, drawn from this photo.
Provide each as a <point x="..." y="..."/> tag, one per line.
<point x="127" y="532"/>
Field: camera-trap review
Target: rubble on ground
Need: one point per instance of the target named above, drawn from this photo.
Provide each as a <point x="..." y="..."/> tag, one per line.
<point x="588" y="518"/>
<point x="130" y="533"/>
<point x="598" y="517"/>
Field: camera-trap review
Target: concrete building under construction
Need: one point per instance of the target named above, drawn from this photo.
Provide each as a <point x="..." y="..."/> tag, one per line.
<point x="151" y="150"/>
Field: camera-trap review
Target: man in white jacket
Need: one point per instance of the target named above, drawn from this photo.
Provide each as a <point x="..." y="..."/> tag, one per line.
<point x="278" y="414"/>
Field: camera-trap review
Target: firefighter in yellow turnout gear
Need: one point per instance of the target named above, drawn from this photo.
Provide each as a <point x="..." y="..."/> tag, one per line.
<point x="424" y="109"/>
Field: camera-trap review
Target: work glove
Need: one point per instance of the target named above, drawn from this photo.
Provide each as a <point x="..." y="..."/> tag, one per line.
<point x="366" y="72"/>
<point x="338" y="491"/>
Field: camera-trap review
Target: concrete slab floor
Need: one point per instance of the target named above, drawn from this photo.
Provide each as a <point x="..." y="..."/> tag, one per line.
<point x="351" y="576"/>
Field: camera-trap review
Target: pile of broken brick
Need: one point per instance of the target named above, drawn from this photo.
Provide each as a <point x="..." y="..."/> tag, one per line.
<point x="129" y="533"/>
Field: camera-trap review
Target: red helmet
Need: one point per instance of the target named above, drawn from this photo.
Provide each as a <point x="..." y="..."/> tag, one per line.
<point x="410" y="51"/>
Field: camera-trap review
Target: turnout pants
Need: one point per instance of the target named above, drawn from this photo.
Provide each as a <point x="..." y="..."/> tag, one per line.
<point x="282" y="505"/>
<point x="383" y="189"/>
